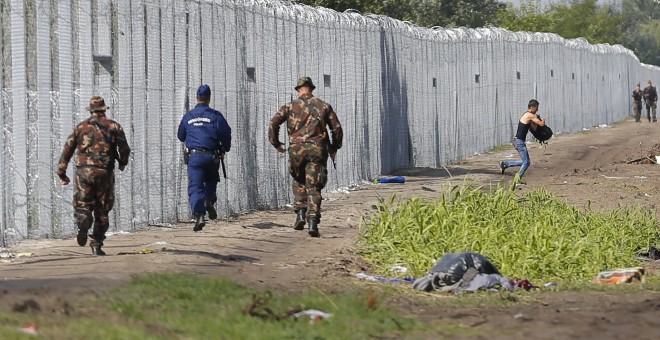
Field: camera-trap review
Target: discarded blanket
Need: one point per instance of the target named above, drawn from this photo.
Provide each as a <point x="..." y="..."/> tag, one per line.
<point x="458" y="272"/>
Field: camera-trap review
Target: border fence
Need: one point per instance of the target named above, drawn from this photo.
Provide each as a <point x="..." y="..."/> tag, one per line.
<point x="406" y="96"/>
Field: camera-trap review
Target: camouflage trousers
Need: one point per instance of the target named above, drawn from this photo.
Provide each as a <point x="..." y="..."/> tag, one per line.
<point x="650" y="111"/>
<point x="93" y="199"/>
<point x="308" y="168"/>
<point x="637" y="109"/>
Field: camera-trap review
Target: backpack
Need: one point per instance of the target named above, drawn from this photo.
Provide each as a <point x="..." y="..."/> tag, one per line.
<point x="542" y="133"/>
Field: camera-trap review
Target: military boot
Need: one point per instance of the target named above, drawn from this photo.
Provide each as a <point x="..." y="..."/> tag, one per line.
<point x="96" y="248"/>
<point x="312" y="223"/>
<point x="199" y="222"/>
<point x="300" y="219"/>
<point x="82" y="237"/>
<point x="210" y="209"/>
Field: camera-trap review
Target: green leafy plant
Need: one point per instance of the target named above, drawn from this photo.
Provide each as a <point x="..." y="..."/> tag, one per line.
<point x="536" y="236"/>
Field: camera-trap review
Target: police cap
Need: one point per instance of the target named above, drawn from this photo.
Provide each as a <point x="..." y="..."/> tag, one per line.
<point x="204" y="91"/>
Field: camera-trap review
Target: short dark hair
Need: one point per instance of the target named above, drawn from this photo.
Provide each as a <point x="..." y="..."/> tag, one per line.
<point x="533" y="103"/>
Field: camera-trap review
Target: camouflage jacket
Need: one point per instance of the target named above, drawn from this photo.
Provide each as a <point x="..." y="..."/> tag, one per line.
<point x="99" y="141"/>
<point x="307" y="118"/>
<point x="637" y="95"/>
<point x="650" y="94"/>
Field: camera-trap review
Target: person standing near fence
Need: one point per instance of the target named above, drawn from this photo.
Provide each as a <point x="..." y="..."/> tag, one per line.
<point x="207" y="137"/>
<point x="637" y="102"/>
<point x="528" y="120"/>
<point x="651" y="101"/>
<point x="307" y="120"/>
<point x="99" y="141"/>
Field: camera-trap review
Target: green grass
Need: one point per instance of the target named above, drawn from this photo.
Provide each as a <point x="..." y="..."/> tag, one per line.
<point x="536" y="236"/>
<point x="182" y="306"/>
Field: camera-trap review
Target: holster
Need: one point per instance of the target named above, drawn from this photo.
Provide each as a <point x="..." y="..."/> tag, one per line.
<point x="186" y="156"/>
<point x="217" y="156"/>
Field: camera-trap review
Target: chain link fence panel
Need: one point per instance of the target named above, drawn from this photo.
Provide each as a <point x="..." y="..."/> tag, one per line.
<point x="406" y="96"/>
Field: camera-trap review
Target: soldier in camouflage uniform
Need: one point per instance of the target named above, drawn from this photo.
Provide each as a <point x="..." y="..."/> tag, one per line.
<point x="99" y="142"/>
<point x="651" y="100"/>
<point x="309" y="148"/>
<point x="637" y="102"/>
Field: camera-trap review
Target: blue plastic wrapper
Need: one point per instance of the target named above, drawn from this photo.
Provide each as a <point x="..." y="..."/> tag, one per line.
<point x="393" y="179"/>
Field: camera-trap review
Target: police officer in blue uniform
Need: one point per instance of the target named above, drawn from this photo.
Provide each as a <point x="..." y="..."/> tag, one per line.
<point x="207" y="137"/>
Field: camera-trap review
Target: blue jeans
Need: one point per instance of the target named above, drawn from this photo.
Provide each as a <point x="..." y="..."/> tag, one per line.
<point x="524" y="161"/>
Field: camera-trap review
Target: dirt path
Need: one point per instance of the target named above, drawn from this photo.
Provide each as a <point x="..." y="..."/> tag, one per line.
<point x="261" y="250"/>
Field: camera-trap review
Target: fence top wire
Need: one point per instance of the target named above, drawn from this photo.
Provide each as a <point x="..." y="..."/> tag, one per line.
<point x="352" y="18"/>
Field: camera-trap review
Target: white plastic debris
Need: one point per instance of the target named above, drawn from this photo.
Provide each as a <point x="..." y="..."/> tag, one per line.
<point x="30" y="328"/>
<point x="399" y="269"/>
<point x="314" y="315"/>
<point x="367" y="277"/>
<point x="7" y="255"/>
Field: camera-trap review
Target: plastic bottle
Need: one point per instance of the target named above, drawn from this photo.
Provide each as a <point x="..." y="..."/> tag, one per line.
<point x="393" y="179"/>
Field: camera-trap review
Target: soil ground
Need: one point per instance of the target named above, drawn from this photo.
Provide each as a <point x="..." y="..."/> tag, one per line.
<point x="588" y="169"/>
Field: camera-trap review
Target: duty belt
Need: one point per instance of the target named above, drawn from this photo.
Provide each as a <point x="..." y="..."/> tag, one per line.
<point x="210" y="152"/>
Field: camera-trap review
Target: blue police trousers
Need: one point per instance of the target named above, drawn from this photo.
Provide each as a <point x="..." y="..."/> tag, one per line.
<point x="203" y="178"/>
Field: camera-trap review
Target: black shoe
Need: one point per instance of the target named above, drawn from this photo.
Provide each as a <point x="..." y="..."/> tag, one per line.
<point x="300" y="219"/>
<point x="502" y="167"/>
<point x="313" y="228"/>
<point x="96" y="248"/>
<point x="199" y="222"/>
<point x="82" y="237"/>
<point x="210" y="209"/>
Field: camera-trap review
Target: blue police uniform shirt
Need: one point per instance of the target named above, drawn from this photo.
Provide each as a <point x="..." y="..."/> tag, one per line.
<point x="204" y="128"/>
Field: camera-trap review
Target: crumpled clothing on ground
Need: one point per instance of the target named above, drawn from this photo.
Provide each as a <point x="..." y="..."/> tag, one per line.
<point x="469" y="283"/>
<point x="467" y="271"/>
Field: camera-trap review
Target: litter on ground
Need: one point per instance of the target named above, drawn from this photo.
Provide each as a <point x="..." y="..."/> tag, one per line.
<point x="374" y="278"/>
<point x="467" y="272"/>
<point x="314" y="315"/>
<point x="620" y="275"/>
<point x="399" y="269"/>
<point x="30" y="328"/>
